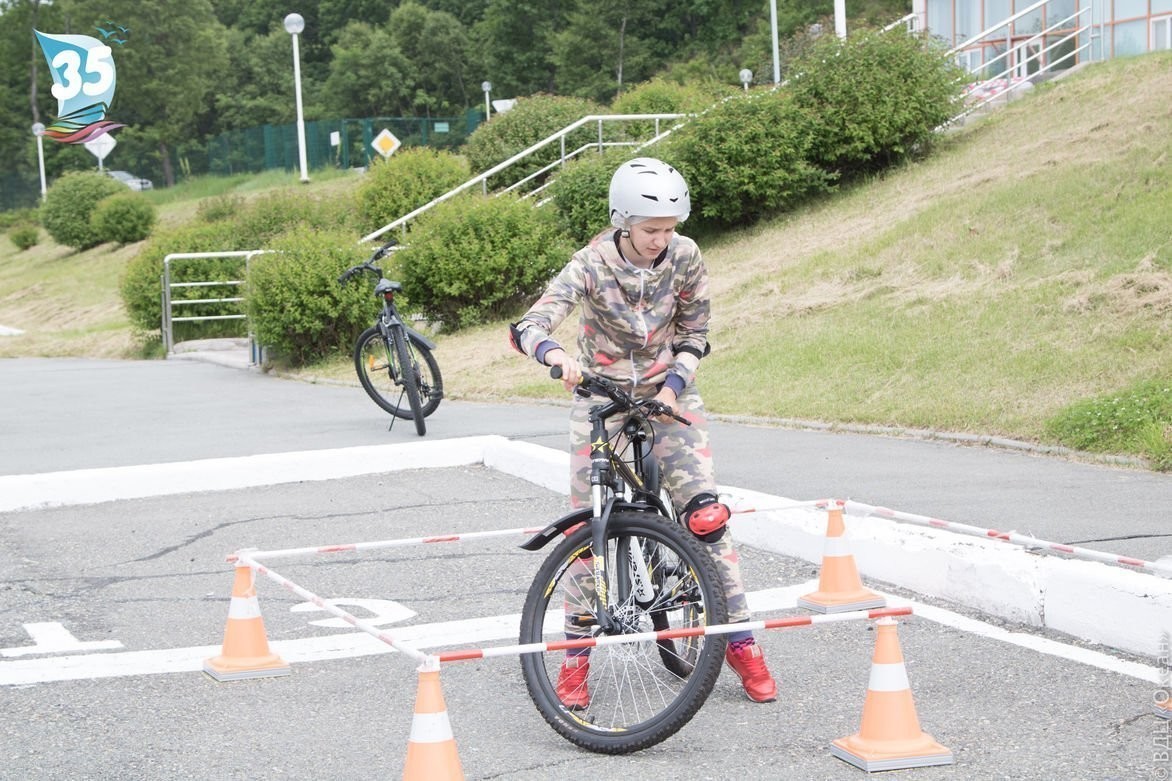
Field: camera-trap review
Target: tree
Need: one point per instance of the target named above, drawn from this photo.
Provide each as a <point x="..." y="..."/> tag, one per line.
<point x="369" y="76"/>
<point x="516" y="39"/>
<point x="616" y="52"/>
<point x="174" y="62"/>
<point x="437" y="46"/>
<point x="259" y="86"/>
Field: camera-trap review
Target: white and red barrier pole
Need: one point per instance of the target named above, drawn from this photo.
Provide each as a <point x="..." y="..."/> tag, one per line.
<point x="858" y="508"/>
<point x="792" y="622"/>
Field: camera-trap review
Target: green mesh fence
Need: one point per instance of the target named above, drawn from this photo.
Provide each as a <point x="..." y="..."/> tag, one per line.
<point x="342" y="143"/>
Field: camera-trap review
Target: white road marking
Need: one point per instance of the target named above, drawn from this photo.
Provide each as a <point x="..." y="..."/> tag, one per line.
<point x="50" y="637"/>
<point x="383" y="611"/>
<point x="478" y="631"/>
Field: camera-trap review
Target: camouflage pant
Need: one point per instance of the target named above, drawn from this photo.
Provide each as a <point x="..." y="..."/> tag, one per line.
<point x="685" y="460"/>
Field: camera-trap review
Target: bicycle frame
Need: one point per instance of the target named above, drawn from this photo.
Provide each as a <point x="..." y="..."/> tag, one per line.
<point x="390" y="317"/>
<point x="609" y="476"/>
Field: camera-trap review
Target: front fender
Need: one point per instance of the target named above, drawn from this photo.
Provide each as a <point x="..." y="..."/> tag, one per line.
<point x="419" y="338"/>
<point x="570" y="520"/>
<point x="557" y="529"/>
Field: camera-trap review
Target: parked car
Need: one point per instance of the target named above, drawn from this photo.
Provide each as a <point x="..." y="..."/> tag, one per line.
<point x="131" y="181"/>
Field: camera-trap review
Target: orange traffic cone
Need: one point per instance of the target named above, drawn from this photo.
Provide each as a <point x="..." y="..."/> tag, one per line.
<point x="839" y="586"/>
<point x="889" y="737"/>
<point x="431" y="749"/>
<point x="245" y="653"/>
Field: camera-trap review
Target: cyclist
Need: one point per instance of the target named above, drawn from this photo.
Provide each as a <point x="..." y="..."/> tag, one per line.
<point x="643" y="291"/>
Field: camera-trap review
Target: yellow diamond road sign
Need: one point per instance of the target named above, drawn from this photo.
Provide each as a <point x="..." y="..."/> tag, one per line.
<point x="385" y="143"/>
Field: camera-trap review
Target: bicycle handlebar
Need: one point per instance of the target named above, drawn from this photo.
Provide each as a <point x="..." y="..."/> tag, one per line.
<point x="368" y="266"/>
<point x="592" y="384"/>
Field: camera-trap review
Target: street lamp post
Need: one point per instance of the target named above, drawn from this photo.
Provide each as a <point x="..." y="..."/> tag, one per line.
<point x="39" y="131"/>
<point x="776" y="52"/>
<point x="294" y="24"/>
<point x="487" y="87"/>
<point x="746" y="78"/>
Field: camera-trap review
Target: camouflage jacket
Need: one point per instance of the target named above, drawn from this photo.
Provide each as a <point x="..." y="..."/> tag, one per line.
<point x="636" y="325"/>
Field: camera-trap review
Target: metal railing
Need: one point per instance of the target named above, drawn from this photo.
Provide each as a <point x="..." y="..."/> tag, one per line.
<point x="169" y="303"/>
<point x="1038" y="48"/>
<point x="559" y="137"/>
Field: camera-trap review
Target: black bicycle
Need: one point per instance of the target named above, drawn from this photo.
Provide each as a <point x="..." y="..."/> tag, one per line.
<point x="393" y="360"/>
<point x="624" y="566"/>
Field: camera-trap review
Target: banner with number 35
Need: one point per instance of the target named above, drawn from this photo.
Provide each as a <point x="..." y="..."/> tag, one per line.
<point x="83" y="83"/>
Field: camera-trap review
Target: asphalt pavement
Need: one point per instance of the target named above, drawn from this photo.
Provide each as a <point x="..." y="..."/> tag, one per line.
<point x="144" y="582"/>
<point x="72" y="414"/>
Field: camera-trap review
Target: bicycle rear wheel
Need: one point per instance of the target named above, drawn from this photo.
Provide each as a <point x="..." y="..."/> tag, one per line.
<point x="378" y="366"/>
<point x="633" y="698"/>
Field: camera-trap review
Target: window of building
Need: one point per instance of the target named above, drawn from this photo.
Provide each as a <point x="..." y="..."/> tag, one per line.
<point x="998" y="11"/>
<point x="1162" y="34"/>
<point x="940" y="19"/>
<point x="1129" y="9"/>
<point x="1130" y="38"/>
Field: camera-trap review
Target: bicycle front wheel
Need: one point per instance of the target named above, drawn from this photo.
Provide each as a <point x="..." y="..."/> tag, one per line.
<point x="410" y="380"/>
<point x="616" y="698"/>
<point x="379" y="370"/>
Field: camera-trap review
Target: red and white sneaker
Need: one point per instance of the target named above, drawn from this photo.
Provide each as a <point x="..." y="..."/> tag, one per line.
<point x="571" y="688"/>
<point x="749" y="664"/>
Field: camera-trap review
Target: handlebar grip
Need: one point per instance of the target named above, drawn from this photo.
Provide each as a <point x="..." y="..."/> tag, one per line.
<point x="555" y="372"/>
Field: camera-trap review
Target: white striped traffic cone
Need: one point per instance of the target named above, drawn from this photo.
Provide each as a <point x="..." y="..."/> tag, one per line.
<point x="431" y="749"/>
<point x="889" y="737"/>
<point x="245" y="653"/>
<point x="839" y="586"/>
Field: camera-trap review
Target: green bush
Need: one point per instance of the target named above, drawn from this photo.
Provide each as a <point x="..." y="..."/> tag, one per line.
<point x="123" y="218"/>
<point x="875" y="97"/>
<point x="529" y="121"/>
<point x="660" y="96"/>
<point x="297" y="309"/>
<point x="24" y="236"/>
<point x="263" y="218"/>
<point x="477" y="259"/>
<point x="407" y="180"/>
<point x="14" y="217"/>
<point x="581" y="193"/>
<point x="1137" y="420"/>
<point x="746" y="157"/>
<point x="219" y="207"/>
<point x="140" y="285"/>
<point x="70" y="203"/>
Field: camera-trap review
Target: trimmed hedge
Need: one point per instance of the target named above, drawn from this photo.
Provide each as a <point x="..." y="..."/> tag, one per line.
<point x="531" y="120"/>
<point x="140" y="282"/>
<point x="296" y="306"/>
<point x="407" y="180"/>
<point x="477" y="259"/>
<point x="581" y="193"/>
<point x="24" y="235"/>
<point x="874" y="98"/>
<point x="70" y="203"/>
<point x="254" y="225"/>
<point x="123" y="218"/>
<point x="747" y="157"/>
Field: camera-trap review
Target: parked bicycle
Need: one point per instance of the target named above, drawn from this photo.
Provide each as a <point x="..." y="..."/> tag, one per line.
<point x="393" y="360"/>
<point x="624" y="566"/>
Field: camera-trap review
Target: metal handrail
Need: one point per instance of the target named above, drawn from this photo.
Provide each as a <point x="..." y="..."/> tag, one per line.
<point x="168" y="304"/>
<point x="1009" y="86"/>
<point x="559" y="136"/>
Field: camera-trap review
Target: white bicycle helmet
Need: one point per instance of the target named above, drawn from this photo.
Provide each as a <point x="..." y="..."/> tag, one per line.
<point x="646" y="187"/>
